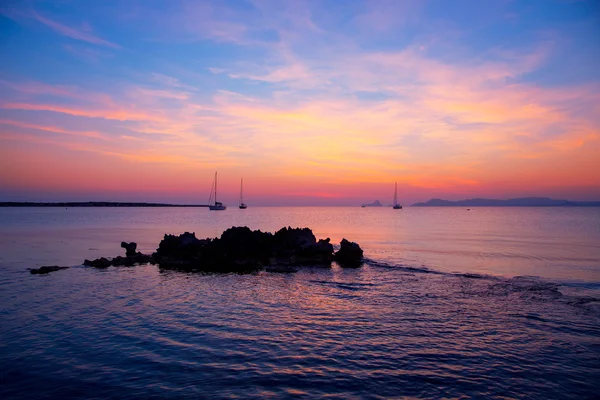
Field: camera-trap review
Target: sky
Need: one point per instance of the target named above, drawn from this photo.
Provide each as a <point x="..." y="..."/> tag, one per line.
<point x="321" y="102"/>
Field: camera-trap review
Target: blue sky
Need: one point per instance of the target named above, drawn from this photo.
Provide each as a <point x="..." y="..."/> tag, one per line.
<point x="315" y="102"/>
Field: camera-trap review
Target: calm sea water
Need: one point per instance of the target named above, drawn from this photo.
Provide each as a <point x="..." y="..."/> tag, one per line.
<point x="487" y="303"/>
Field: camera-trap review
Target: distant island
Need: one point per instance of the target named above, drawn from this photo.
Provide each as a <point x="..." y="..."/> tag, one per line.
<point x="520" y="202"/>
<point x="93" y="204"/>
<point x="376" y="203"/>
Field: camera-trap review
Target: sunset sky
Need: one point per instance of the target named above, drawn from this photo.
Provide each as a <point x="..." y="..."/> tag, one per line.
<point x="312" y="102"/>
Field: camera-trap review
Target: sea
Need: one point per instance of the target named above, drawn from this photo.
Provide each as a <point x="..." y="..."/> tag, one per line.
<point x="492" y="303"/>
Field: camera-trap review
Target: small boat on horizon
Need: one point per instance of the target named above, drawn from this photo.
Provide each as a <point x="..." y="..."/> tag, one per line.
<point x="213" y="204"/>
<point x="243" y="205"/>
<point x="396" y="206"/>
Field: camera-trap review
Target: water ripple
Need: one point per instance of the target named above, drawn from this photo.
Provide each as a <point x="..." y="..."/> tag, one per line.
<point x="370" y="333"/>
<point x="456" y="327"/>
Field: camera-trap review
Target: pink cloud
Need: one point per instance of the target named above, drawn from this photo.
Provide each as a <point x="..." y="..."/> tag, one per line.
<point x="118" y="114"/>
<point x="20" y="124"/>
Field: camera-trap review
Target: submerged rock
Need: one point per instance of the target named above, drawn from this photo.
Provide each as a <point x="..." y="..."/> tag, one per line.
<point x="46" y="269"/>
<point x="349" y="255"/>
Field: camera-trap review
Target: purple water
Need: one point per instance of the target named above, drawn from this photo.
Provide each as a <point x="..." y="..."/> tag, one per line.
<point x="487" y="303"/>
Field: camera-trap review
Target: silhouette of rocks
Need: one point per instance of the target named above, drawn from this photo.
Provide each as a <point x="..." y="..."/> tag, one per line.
<point x="137" y="258"/>
<point x="349" y="255"/>
<point x="324" y="247"/>
<point x="46" y="269"/>
<point x="239" y="249"/>
<point x="131" y="258"/>
<point x="182" y="246"/>
<point x="97" y="263"/>
<point x="298" y="246"/>
<point x="179" y="251"/>
<point x="129" y="248"/>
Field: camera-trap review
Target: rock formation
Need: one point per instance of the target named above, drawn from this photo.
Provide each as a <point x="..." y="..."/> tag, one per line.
<point x="239" y="249"/>
<point x="349" y="255"/>
<point x="129" y="248"/>
<point x="131" y="258"/>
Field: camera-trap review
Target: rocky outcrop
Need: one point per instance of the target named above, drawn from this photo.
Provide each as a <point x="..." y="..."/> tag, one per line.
<point x="101" y="262"/>
<point x="129" y="248"/>
<point x="46" y="269"/>
<point x="131" y="258"/>
<point x="238" y="249"/>
<point x="296" y="246"/>
<point x="349" y="255"/>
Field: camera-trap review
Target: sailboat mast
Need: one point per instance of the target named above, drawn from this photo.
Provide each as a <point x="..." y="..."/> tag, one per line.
<point x="215" y="187"/>
<point x="396" y="194"/>
<point x="241" y="190"/>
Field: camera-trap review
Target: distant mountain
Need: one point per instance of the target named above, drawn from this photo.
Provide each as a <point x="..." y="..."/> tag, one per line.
<point x="376" y="203"/>
<point x="521" y="202"/>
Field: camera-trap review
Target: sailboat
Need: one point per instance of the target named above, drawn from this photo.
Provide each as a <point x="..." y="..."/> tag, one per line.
<point x="243" y="205"/>
<point x="213" y="204"/>
<point x="396" y="205"/>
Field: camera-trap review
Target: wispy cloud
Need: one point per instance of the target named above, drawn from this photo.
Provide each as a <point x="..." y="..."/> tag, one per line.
<point x="21" y="124"/>
<point x="169" y="81"/>
<point x="73" y="33"/>
<point x="111" y="114"/>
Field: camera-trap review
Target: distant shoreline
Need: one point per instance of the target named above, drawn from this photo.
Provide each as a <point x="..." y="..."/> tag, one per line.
<point x="94" y="204"/>
<point x="520" y="202"/>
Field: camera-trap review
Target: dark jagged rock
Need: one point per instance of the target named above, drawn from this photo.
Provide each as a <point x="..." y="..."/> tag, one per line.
<point x="242" y="249"/>
<point x="298" y="246"/>
<point x="129" y="248"/>
<point x="179" y="252"/>
<point x="239" y="249"/>
<point x="185" y="245"/>
<point x="119" y="261"/>
<point x="97" y="263"/>
<point x="131" y="258"/>
<point x="46" y="269"/>
<point x="293" y="239"/>
<point x="137" y="258"/>
<point x="349" y="255"/>
<point x="324" y="246"/>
